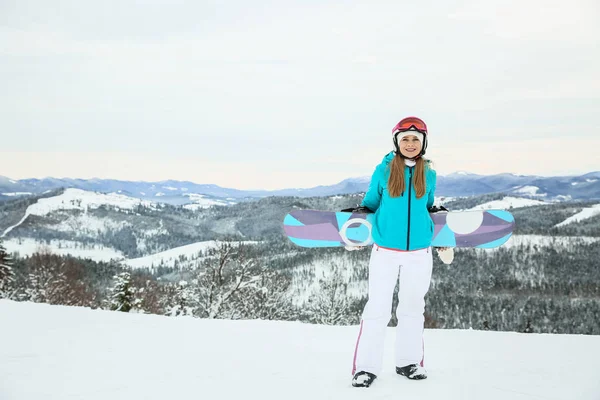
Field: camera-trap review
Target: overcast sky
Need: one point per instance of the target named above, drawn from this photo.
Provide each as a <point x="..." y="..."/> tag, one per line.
<point x="276" y="94"/>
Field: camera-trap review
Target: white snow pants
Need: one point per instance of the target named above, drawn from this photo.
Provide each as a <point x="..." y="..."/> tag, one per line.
<point x="414" y="268"/>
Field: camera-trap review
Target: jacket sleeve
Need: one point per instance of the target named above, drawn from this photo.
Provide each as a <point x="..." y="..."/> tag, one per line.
<point x="433" y="184"/>
<point x="373" y="196"/>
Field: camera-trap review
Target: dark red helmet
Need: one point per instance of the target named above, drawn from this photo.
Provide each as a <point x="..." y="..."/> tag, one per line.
<point x="407" y="124"/>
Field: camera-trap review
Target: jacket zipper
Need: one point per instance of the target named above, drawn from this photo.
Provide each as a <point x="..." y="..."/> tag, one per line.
<point x="409" y="195"/>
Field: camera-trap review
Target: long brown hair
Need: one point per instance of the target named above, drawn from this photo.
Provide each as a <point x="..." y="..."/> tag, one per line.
<point x="396" y="184"/>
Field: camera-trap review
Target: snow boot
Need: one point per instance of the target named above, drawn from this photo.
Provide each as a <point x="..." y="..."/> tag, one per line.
<point x="412" y="371"/>
<point x="363" y="379"/>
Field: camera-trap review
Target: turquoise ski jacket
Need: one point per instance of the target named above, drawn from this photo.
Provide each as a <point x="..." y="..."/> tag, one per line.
<point x="403" y="222"/>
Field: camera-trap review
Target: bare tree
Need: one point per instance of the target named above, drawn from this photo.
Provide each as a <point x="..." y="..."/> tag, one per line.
<point x="56" y="280"/>
<point x="231" y="283"/>
<point x="331" y="305"/>
<point x="269" y="299"/>
<point x="184" y="301"/>
<point x="222" y="275"/>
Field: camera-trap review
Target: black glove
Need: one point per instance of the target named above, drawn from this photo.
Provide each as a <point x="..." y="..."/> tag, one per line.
<point x="434" y="209"/>
<point x="359" y="209"/>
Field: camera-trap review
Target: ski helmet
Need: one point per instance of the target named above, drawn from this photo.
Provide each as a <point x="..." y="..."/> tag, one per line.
<point x="411" y="124"/>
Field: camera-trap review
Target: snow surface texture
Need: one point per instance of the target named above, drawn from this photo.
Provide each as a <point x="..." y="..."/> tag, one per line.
<point x="59" y="352"/>
<point x="583" y="214"/>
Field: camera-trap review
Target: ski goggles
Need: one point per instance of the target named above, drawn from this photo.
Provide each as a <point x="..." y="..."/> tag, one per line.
<point x="410" y="123"/>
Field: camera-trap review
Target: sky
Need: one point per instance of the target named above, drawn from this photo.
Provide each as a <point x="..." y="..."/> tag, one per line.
<point x="294" y="93"/>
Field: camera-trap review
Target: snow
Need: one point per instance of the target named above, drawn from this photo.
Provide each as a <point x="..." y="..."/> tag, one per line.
<point x="530" y="191"/>
<point x="96" y="252"/>
<point x="561" y="197"/>
<point x="88" y="224"/>
<point x="159" y="194"/>
<point x="194" y="196"/>
<point x="157" y="231"/>
<point x="586" y="213"/>
<point x="546" y="241"/>
<point x="200" y="201"/>
<point x="77" y="199"/>
<point x="591" y="180"/>
<point x="58" y="352"/>
<point x="170" y="188"/>
<point x="305" y="278"/>
<point x="440" y="201"/>
<point x="17" y="194"/>
<point x="508" y="203"/>
<point x="11" y="181"/>
<point x="361" y="179"/>
<point x="167" y="258"/>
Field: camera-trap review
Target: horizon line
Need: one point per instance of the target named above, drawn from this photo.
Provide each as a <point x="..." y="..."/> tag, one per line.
<point x="459" y="172"/>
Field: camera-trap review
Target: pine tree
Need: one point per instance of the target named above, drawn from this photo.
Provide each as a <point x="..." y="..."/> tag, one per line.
<point x="122" y="296"/>
<point x="6" y="273"/>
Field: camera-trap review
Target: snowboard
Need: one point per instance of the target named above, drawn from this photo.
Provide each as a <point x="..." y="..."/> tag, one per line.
<point x="484" y="229"/>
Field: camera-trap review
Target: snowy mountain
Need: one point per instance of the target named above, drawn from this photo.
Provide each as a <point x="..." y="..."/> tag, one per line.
<point x="59" y="352"/>
<point x="85" y="222"/>
<point x="508" y="203"/>
<point x="561" y="188"/>
<point x="584" y="187"/>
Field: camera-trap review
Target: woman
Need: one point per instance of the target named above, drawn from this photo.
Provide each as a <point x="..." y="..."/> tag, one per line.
<point x="400" y="194"/>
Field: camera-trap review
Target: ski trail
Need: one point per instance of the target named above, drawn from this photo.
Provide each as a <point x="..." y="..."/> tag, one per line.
<point x="7" y="231"/>
<point x="586" y="213"/>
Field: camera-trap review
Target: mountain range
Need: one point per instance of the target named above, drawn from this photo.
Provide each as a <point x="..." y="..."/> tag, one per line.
<point x="557" y="188"/>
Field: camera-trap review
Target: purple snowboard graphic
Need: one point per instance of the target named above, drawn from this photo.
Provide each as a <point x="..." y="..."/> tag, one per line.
<point x="482" y="229"/>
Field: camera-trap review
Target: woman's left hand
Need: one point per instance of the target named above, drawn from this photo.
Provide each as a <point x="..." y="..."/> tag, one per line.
<point x="446" y="254"/>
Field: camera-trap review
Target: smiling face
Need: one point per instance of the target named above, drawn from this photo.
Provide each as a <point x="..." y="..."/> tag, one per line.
<point x="410" y="146"/>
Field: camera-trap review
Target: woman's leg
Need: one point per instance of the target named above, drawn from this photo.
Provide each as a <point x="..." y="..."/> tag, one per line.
<point x="383" y="274"/>
<point x="415" y="278"/>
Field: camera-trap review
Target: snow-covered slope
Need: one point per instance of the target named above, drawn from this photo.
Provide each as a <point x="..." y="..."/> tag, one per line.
<point x="507" y="203"/>
<point x="76" y="199"/>
<point x="201" y="201"/>
<point x="583" y="214"/>
<point x="82" y="199"/>
<point x="15" y="194"/>
<point x="529" y="191"/>
<point x="58" y="352"/>
<point x="546" y="241"/>
<point x="167" y="258"/>
<point x="26" y="247"/>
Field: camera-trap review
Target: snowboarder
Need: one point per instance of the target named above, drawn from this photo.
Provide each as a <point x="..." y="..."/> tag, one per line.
<point x="401" y="194"/>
